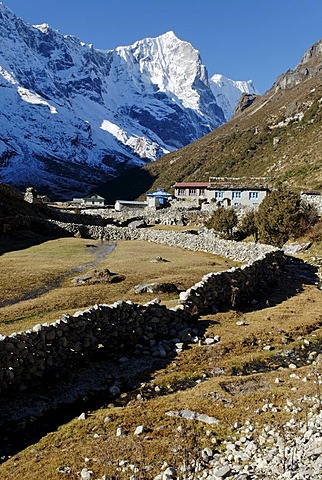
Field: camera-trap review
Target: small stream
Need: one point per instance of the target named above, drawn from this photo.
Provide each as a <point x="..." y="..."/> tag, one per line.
<point x="100" y="252"/>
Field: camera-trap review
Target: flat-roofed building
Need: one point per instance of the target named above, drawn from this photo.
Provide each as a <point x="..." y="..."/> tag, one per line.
<point x="225" y="191"/>
<point x="191" y="190"/>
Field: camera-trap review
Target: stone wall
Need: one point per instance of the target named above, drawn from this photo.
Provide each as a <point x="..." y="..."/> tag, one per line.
<point x="315" y="200"/>
<point x="51" y="350"/>
<point x="183" y="213"/>
<point x="203" y="240"/>
<point x="234" y="287"/>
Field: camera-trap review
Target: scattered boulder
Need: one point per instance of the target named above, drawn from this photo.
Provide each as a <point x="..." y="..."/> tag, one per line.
<point x="66" y="470"/>
<point x="138" y="430"/>
<point x="292" y="248"/>
<point x="156" y="287"/>
<point x="86" y="474"/>
<point x="159" y="260"/>
<point x="137" y="224"/>
<point x="190" y="415"/>
<point x="115" y="390"/>
<point x="98" y="276"/>
<point x="222" y="472"/>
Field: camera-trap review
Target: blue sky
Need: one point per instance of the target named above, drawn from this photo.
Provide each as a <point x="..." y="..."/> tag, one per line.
<point x="242" y="39"/>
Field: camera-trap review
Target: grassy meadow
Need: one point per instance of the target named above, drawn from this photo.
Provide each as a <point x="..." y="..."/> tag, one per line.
<point x="52" y="261"/>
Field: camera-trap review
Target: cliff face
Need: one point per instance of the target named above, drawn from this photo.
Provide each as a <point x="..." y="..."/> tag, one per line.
<point x="309" y="66"/>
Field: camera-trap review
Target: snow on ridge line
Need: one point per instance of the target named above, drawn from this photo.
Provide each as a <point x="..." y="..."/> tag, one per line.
<point x="142" y="146"/>
<point x="227" y="92"/>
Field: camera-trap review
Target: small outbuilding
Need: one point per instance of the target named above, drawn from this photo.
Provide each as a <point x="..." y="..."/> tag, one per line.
<point x="121" y="205"/>
<point x="159" y="199"/>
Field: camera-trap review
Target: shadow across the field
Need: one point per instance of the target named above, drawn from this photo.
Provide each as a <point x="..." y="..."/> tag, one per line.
<point x="22" y="240"/>
<point x="296" y="275"/>
<point x="28" y="416"/>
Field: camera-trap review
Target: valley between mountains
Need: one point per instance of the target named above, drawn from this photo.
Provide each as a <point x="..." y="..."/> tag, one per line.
<point x="141" y="345"/>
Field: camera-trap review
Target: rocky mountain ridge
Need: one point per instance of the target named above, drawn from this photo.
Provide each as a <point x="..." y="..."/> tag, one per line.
<point x="277" y="135"/>
<point x="228" y="92"/>
<point x="309" y="66"/>
<point x="73" y="116"/>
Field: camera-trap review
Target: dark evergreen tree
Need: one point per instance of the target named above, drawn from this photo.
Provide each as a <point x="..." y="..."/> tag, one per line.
<point x="281" y="216"/>
<point x="248" y="225"/>
<point x="223" y="221"/>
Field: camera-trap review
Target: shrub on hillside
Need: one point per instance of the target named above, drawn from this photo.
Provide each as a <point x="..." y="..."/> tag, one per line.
<point x="282" y="215"/>
<point x="315" y="232"/>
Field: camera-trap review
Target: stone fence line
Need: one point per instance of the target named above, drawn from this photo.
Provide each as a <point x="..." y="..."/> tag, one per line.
<point x="50" y="350"/>
<point x="203" y="240"/>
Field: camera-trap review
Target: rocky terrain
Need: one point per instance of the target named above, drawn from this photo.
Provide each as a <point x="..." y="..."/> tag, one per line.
<point x="234" y="395"/>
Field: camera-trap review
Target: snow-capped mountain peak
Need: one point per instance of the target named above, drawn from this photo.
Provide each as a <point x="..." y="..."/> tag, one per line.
<point x="72" y="116"/>
<point x="170" y="64"/>
<point x="227" y="92"/>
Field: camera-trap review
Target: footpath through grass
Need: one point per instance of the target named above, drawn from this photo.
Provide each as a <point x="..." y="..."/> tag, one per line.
<point x="32" y="268"/>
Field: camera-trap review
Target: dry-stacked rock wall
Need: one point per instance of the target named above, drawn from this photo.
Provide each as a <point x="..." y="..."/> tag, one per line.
<point x="203" y="241"/>
<point x="52" y="349"/>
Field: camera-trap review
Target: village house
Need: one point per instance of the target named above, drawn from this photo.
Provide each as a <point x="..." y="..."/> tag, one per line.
<point x="92" y="201"/>
<point x="191" y="190"/>
<point x="225" y="191"/>
<point x="157" y="199"/>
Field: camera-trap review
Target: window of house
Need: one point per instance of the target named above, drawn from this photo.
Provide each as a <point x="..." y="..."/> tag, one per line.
<point x="192" y="191"/>
<point x="236" y="194"/>
<point x="253" y="195"/>
<point x="201" y="191"/>
<point x="219" y="194"/>
<point x="181" y="192"/>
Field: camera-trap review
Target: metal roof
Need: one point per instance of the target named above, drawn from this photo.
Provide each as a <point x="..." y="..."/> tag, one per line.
<point x="191" y="184"/>
<point x="159" y="193"/>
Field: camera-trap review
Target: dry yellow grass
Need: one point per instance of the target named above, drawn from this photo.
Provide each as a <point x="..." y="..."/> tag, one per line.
<point x="35" y="266"/>
<point x="229" y="380"/>
<point x="27" y="269"/>
<point x="93" y="444"/>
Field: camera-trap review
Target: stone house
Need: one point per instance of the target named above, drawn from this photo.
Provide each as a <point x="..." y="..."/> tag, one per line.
<point x="227" y="192"/>
<point x="236" y="196"/>
<point x="191" y="190"/>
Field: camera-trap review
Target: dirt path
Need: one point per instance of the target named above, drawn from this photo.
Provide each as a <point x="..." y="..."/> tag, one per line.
<point x="100" y="252"/>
